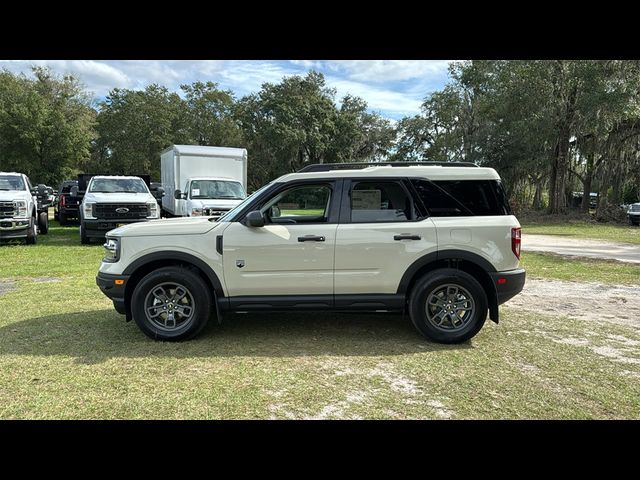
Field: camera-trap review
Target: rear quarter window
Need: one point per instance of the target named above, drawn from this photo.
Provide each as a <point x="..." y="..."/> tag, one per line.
<point x="452" y="198"/>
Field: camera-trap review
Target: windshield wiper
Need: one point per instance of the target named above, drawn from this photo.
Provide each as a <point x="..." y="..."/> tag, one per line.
<point x="231" y="197"/>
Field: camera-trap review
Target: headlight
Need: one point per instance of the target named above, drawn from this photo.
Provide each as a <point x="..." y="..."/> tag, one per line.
<point x="111" y="250"/>
<point x="196" y="212"/>
<point x="21" y="208"/>
<point x="153" y="210"/>
<point x="87" y="208"/>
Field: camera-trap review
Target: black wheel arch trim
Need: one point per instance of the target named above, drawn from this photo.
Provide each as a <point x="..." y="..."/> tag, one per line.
<point x="181" y="257"/>
<point x="453" y="254"/>
<point x="441" y="255"/>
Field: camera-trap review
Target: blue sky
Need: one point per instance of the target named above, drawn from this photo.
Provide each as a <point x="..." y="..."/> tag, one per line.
<point x="394" y="88"/>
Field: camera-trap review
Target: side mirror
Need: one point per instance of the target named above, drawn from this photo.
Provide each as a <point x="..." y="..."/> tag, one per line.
<point x="255" y="219"/>
<point x="275" y="212"/>
<point x="177" y="195"/>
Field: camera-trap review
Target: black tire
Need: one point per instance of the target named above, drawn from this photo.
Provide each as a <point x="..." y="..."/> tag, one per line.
<point x="56" y="216"/>
<point x="62" y="219"/>
<point x="198" y="298"/>
<point x="32" y="234"/>
<point x="84" y="240"/>
<point x="434" y="284"/>
<point x="43" y="222"/>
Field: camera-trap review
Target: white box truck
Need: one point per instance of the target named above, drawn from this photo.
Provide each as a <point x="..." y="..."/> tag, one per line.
<point x="202" y="180"/>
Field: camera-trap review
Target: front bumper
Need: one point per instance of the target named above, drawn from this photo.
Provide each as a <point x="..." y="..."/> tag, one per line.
<point x="98" y="228"/>
<point x="508" y="284"/>
<point x="14" y="228"/>
<point x="114" y="291"/>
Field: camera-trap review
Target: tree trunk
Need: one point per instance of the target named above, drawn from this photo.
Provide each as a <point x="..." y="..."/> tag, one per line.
<point x="586" y="191"/>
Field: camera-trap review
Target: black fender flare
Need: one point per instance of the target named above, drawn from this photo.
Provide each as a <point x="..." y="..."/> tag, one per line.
<point x="181" y="257"/>
<point x="480" y="262"/>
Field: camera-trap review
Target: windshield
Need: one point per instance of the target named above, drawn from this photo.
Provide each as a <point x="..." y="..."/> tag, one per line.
<point x="11" y="182"/>
<point x="118" y="185"/>
<point x="635" y="208"/>
<point x="216" y="189"/>
<point x="231" y="214"/>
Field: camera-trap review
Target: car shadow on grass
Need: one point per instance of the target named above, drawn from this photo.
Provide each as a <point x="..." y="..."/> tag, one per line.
<point x="96" y="336"/>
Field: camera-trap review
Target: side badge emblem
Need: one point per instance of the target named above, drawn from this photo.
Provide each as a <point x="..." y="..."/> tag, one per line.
<point x="239" y="263"/>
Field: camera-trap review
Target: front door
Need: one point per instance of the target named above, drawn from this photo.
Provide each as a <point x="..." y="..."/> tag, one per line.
<point x="292" y="254"/>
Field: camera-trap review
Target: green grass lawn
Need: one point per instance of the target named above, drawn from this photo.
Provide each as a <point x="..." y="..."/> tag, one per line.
<point x="544" y="265"/>
<point x="616" y="233"/>
<point x="65" y="353"/>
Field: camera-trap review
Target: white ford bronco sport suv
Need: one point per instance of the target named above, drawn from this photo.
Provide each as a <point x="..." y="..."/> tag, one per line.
<point x="18" y="208"/>
<point x="436" y="240"/>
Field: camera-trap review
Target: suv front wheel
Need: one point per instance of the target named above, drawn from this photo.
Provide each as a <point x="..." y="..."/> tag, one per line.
<point x="171" y="303"/>
<point x="448" y="306"/>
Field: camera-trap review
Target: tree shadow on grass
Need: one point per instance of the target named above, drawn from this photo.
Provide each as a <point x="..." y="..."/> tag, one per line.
<point x="96" y="336"/>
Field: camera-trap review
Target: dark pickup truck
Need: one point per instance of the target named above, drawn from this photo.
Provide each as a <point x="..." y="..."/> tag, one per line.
<point x="67" y="206"/>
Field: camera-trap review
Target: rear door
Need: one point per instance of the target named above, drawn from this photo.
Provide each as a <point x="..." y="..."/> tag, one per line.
<point x="381" y="233"/>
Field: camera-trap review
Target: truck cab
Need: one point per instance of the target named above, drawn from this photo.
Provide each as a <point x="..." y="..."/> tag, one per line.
<point x="210" y="196"/>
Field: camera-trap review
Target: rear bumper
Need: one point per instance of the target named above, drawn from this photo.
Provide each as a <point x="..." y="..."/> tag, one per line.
<point x="508" y="284"/>
<point x="107" y="284"/>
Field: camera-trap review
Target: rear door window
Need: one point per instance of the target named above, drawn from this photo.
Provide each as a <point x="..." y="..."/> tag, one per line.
<point x="373" y="202"/>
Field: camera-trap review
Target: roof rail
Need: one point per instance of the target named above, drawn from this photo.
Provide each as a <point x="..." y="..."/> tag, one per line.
<point x="327" y="167"/>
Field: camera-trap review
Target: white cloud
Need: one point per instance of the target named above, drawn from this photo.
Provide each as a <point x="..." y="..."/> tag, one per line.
<point x="379" y="71"/>
<point x="389" y="102"/>
<point x="391" y="87"/>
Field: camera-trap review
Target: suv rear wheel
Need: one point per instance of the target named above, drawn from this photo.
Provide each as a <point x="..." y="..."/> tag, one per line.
<point x="171" y="303"/>
<point x="448" y="306"/>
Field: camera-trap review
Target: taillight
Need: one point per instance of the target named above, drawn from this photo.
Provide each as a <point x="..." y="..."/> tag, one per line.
<point x="62" y="198"/>
<point x="515" y="241"/>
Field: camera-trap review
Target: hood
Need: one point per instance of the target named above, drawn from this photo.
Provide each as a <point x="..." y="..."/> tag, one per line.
<point x="224" y="204"/>
<point x="8" y="196"/>
<point x="119" y="197"/>
<point x="168" y="226"/>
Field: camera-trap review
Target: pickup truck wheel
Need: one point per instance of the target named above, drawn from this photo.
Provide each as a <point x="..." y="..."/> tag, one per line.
<point x="62" y="219"/>
<point x="448" y="306"/>
<point x="32" y="234"/>
<point x="43" y="222"/>
<point x="84" y="240"/>
<point x="171" y="303"/>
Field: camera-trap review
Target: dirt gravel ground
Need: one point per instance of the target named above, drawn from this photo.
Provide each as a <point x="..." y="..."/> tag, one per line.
<point x="584" y="301"/>
<point x="580" y="247"/>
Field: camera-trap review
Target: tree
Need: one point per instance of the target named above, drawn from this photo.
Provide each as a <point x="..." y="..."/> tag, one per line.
<point x="134" y="127"/>
<point x="296" y="122"/>
<point x="210" y="115"/>
<point x="46" y="125"/>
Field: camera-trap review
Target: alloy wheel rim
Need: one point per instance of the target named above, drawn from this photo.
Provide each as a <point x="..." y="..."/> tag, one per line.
<point x="450" y="307"/>
<point x="169" y="306"/>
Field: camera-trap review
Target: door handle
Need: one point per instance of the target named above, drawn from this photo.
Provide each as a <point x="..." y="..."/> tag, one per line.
<point x="406" y="236"/>
<point x="311" y="238"/>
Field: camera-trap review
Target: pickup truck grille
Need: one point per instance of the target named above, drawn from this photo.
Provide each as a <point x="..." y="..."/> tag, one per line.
<point x="110" y="210"/>
<point x="214" y="212"/>
<point x="7" y="210"/>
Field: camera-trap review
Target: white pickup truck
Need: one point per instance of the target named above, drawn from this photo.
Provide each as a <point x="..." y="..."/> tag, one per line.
<point x="18" y="208"/>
